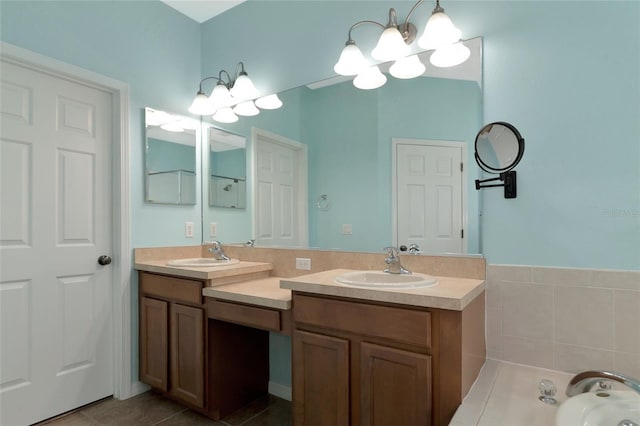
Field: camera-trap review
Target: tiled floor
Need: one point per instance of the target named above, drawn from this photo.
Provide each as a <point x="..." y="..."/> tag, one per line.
<point x="150" y="409"/>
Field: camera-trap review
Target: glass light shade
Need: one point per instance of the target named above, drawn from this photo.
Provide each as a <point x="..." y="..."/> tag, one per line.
<point x="371" y="78"/>
<point x="172" y="126"/>
<point x="246" y="109"/>
<point x="351" y="61"/>
<point x="391" y="46"/>
<point x="439" y="32"/>
<point x="407" y="67"/>
<point x="243" y="88"/>
<point x="269" y="102"/>
<point x="450" y="56"/>
<point x="201" y="105"/>
<point x="225" y="115"/>
<point x="220" y="97"/>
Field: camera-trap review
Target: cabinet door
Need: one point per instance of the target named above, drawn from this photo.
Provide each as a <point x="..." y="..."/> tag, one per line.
<point x="395" y="386"/>
<point x="320" y="380"/>
<point x="154" y="365"/>
<point x="187" y="353"/>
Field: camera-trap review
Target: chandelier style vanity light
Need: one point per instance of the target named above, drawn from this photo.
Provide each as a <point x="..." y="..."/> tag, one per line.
<point x="232" y="97"/>
<point x="440" y="35"/>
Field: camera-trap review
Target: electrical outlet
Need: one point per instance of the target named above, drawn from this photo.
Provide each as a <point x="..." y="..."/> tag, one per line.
<point x="213" y="229"/>
<point x="188" y="229"/>
<point x="347" y="229"/>
<point x="303" y="263"/>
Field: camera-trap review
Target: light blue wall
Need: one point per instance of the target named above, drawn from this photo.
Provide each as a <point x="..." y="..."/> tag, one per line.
<point x="165" y="156"/>
<point x="566" y="75"/>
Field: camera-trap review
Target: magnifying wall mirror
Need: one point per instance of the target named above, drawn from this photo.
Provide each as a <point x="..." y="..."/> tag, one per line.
<point x="498" y="149"/>
<point x="170" y="158"/>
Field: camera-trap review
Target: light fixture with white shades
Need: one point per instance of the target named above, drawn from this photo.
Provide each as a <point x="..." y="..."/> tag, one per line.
<point x="231" y="97"/>
<point x="394" y="44"/>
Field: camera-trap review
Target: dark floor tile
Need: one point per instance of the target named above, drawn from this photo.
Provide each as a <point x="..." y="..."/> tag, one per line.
<point x="248" y="411"/>
<point x="142" y="410"/>
<point x="277" y="414"/>
<point x="72" y="419"/>
<point x="189" y="418"/>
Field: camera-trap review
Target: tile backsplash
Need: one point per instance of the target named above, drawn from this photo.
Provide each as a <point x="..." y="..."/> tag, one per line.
<point x="564" y="319"/>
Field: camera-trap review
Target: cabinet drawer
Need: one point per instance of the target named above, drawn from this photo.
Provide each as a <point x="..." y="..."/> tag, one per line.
<point x="252" y="316"/>
<point x="398" y="324"/>
<point x="179" y="289"/>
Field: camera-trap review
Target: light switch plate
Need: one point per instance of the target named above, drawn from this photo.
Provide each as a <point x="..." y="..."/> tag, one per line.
<point x="347" y="229"/>
<point x="188" y="229"/>
<point x="213" y="229"/>
<point x="303" y="263"/>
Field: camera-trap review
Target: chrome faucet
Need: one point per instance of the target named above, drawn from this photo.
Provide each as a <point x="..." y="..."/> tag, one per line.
<point x="393" y="260"/>
<point x="216" y="249"/>
<point x="584" y="381"/>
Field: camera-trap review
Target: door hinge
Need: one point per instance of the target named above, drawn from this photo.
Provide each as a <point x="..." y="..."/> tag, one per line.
<point x="462" y="167"/>
<point x="462" y="233"/>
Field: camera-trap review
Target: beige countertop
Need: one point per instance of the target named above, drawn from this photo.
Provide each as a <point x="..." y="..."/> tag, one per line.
<point x="203" y="273"/>
<point x="263" y="292"/>
<point x="450" y="293"/>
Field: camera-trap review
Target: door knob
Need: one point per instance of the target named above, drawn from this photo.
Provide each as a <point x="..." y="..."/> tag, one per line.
<point x="104" y="260"/>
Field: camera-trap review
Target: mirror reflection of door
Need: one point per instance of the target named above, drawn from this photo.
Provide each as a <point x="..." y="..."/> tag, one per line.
<point x="280" y="191"/>
<point x="429" y="203"/>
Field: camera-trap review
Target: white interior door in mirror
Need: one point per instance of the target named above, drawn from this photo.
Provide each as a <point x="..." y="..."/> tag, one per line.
<point x="280" y="191"/>
<point x="429" y="195"/>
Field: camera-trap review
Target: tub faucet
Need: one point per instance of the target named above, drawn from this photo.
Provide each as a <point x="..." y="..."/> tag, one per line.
<point x="584" y="381"/>
<point x="393" y="260"/>
<point x="216" y="249"/>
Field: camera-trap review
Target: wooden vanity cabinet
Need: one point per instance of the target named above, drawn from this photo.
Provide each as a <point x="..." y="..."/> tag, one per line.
<point x="367" y="363"/>
<point x="172" y="337"/>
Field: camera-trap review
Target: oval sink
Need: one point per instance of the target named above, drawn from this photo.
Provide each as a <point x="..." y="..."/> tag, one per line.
<point x="202" y="262"/>
<point x="600" y="408"/>
<point x="379" y="279"/>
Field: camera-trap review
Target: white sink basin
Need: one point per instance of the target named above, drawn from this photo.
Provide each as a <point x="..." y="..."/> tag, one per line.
<point x="379" y="279"/>
<point x="590" y="409"/>
<point x="202" y="262"/>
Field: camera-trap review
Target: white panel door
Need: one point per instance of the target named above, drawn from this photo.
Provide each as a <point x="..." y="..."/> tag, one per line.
<point x="280" y="205"/>
<point x="55" y="182"/>
<point x="429" y="197"/>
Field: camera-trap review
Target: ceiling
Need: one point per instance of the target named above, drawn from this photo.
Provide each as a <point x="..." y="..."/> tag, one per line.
<point x="201" y="10"/>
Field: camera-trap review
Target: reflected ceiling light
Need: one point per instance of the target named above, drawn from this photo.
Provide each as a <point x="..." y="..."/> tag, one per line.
<point x="395" y="42"/>
<point x="371" y="78"/>
<point x="225" y="115"/>
<point x="407" y="67"/>
<point x="228" y="95"/>
<point x="172" y="126"/>
<point x="269" y="102"/>
<point x="450" y="56"/>
<point x="246" y="109"/>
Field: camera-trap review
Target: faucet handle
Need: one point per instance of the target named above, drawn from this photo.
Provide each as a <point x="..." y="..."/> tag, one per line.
<point x="391" y="251"/>
<point x="547" y="391"/>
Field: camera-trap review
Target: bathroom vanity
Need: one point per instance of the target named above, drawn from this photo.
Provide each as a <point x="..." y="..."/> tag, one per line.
<point x="402" y="356"/>
<point x="359" y="356"/>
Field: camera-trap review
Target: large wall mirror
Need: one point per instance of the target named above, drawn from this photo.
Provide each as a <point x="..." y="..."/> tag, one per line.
<point x="170" y="158"/>
<point x="362" y="149"/>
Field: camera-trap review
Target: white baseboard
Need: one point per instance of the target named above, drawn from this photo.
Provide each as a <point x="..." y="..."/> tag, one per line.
<point x="279" y="390"/>
<point x="137" y="388"/>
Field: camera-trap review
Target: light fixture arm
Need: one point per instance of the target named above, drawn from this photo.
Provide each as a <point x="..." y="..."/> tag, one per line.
<point x="200" y="91"/>
<point x="357" y="24"/>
